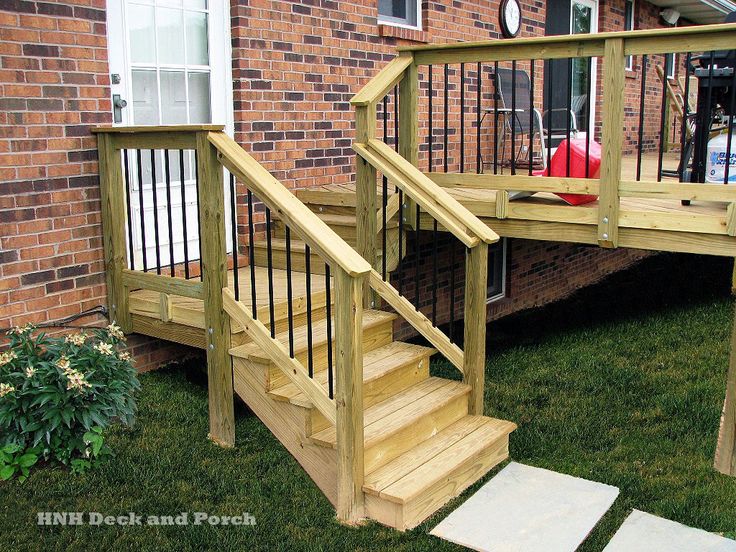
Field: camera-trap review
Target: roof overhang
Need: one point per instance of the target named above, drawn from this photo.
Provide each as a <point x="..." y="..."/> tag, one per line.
<point x="699" y="11"/>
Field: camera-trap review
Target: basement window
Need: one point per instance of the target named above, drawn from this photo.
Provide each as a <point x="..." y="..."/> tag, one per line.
<point x="497" y="271"/>
<point x="401" y="13"/>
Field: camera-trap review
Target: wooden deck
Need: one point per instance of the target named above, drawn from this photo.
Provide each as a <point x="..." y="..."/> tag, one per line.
<point x="645" y="223"/>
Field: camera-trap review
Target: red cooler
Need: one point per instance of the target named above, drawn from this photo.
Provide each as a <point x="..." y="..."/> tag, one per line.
<point x="558" y="166"/>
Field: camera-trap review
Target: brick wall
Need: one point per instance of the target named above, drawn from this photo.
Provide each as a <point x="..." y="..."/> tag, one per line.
<point x="54" y="86"/>
<point x="295" y="67"/>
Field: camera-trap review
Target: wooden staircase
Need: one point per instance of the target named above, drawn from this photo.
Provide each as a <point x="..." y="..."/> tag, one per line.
<point x="422" y="448"/>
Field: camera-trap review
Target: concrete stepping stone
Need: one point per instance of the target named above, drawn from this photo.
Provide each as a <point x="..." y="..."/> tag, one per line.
<point x="642" y="532"/>
<point x="527" y="509"/>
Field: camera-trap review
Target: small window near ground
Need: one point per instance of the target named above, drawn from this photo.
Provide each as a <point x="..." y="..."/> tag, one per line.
<point x="629" y="26"/>
<point x="497" y="271"/>
<point x="405" y="13"/>
<point x="669" y="65"/>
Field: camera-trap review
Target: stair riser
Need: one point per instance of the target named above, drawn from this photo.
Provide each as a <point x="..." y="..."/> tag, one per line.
<point x="409" y="515"/>
<point x="383" y="388"/>
<point x="373" y="337"/>
<point x="398" y="443"/>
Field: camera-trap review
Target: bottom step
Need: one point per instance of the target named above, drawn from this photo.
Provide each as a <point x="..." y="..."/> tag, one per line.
<point x="410" y="488"/>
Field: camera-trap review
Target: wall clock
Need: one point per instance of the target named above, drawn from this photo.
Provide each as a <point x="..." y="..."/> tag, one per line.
<point x="510" y="18"/>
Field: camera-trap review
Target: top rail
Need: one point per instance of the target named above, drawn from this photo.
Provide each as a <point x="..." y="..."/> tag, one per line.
<point x="159" y="128"/>
<point x="384" y="81"/>
<point x="320" y="237"/>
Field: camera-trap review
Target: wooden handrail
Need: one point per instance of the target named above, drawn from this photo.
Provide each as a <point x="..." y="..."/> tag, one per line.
<point x="383" y="82"/>
<point x="449" y="212"/>
<point x="303" y="221"/>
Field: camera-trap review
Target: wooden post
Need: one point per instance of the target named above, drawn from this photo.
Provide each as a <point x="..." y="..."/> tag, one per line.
<point x="476" y="284"/>
<point x="725" y="460"/>
<point x="214" y="279"/>
<point x="409" y="128"/>
<point x="365" y="199"/>
<point x="612" y="139"/>
<point x="112" y="194"/>
<point x="349" y="395"/>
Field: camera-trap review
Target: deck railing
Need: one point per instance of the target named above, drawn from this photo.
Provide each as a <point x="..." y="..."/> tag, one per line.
<point x="225" y="178"/>
<point x="463" y="127"/>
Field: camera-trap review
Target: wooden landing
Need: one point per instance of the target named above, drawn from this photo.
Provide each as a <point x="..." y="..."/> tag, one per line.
<point x="644" y="223"/>
<point x="181" y="319"/>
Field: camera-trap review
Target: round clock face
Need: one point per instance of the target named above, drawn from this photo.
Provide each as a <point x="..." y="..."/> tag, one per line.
<point x="510" y="18"/>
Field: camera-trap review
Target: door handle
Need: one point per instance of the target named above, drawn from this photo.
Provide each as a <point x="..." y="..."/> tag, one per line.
<point x="118" y="104"/>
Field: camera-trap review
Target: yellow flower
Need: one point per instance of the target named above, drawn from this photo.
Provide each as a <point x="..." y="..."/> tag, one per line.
<point x="5" y="389"/>
<point x="76" y="380"/>
<point x="104" y="348"/>
<point x="63" y="363"/>
<point x="125" y="356"/>
<point x="115" y="331"/>
<point x="76" y="339"/>
<point x="6" y="357"/>
<point x="30" y="371"/>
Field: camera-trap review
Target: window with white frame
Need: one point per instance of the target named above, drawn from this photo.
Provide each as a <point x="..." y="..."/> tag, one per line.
<point x="404" y="13"/>
<point x="496" y="271"/>
<point x="629" y="26"/>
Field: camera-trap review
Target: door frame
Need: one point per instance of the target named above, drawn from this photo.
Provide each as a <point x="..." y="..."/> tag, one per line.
<point x="221" y="56"/>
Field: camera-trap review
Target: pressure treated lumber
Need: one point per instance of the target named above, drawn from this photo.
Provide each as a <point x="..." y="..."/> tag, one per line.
<point x="725" y="459"/>
<point x="474" y="356"/>
<point x="214" y="278"/>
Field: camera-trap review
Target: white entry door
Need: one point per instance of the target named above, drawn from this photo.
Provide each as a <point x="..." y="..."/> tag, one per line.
<point x="170" y="61"/>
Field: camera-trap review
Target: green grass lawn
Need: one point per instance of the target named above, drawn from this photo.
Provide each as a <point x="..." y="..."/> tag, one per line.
<point x="622" y="384"/>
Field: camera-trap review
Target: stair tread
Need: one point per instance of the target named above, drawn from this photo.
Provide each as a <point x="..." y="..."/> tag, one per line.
<point x="417" y="470"/>
<point x="371" y="318"/>
<point x="385" y="418"/>
<point x="376" y="364"/>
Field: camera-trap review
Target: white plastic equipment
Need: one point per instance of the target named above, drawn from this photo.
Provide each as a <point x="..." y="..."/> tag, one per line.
<point x="715" y="167"/>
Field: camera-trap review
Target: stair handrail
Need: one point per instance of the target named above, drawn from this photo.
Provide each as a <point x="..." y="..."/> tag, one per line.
<point x="302" y="220"/>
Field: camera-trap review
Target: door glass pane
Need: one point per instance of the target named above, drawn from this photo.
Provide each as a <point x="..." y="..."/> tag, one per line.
<point x="199" y="98"/>
<point x="197" y="38"/>
<point x="581" y="67"/>
<point x="140" y="29"/>
<point x="170" y="34"/>
<point x="145" y="97"/>
<point x="196" y="4"/>
<point x="580" y="19"/>
<point x="173" y="98"/>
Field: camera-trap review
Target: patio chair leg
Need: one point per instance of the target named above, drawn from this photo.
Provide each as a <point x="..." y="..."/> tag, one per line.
<point x="725" y="460"/>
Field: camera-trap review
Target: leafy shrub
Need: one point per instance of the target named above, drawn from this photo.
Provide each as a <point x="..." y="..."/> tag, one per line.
<point x="58" y="395"/>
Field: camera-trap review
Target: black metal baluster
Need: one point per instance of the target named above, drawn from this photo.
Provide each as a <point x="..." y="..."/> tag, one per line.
<point x="289" y="293"/>
<point x="182" y="189"/>
<point x="156" y="238"/>
<point x="447" y="115"/>
<point x="589" y="112"/>
<point x="252" y="257"/>
<point x="462" y="118"/>
<point x="269" y="263"/>
<point x="435" y="272"/>
<point x="549" y="116"/>
<point x="531" y="117"/>
<point x="400" y="275"/>
<point x="513" y="117"/>
<point x="131" y="259"/>
<point x="416" y="259"/>
<point x="708" y="103"/>
<point x="452" y="291"/>
<point x="662" y="113"/>
<point x="234" y="234"/>
<point x="396" y="118"/>
<point x="478" y="117"/>
<point x="495" y="118"/>
<point x="430" y="136"/>
<point x="685" y="116"/>
<point x="167" y="172"/>
<point x="330" y="382"/>
<point x="308" y="277"/>
<point x="384" y="191"/>
<point x="199" y="220"/>
<point x="142" y="212"/>
<point x="568" y="115"/>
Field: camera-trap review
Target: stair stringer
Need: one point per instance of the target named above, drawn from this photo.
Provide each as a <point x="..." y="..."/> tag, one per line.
<point x="289" y="424"/>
